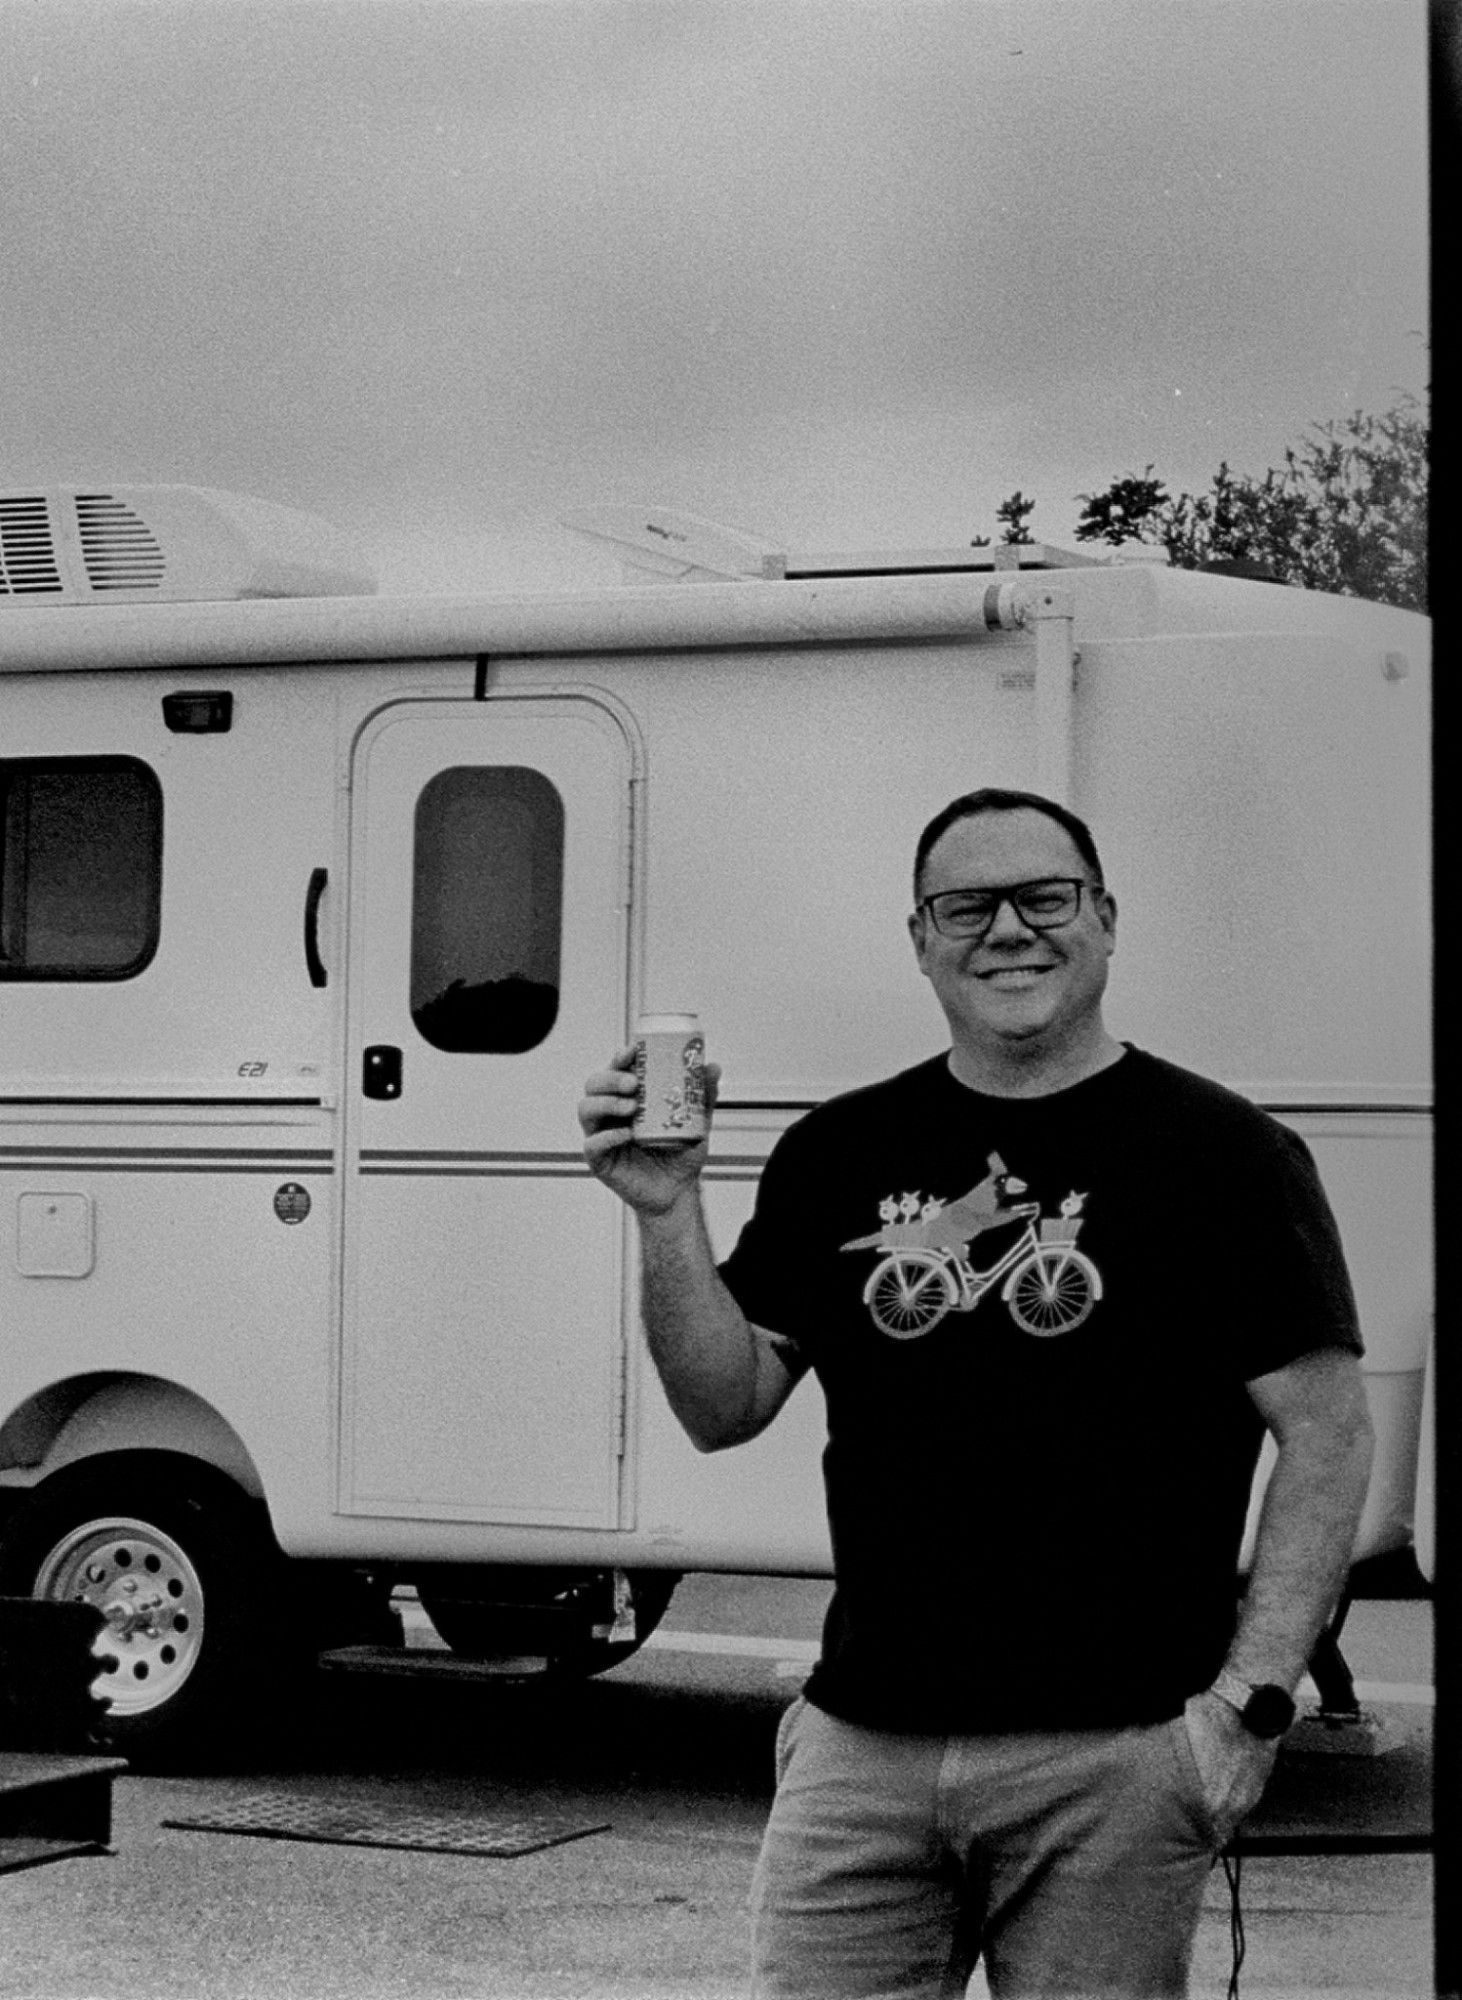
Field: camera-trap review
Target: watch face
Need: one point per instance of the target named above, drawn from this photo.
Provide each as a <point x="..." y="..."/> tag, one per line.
<point x="1268" y="1712"/>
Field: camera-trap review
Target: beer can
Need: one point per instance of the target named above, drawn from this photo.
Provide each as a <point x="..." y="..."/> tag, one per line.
<point x="670" y="1054"/>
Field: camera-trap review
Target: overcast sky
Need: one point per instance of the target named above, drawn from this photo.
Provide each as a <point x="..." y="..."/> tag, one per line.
<point x="841" y="274"/>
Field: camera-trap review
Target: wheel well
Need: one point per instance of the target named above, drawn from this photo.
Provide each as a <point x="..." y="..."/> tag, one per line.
<point x="90" y="1414"/>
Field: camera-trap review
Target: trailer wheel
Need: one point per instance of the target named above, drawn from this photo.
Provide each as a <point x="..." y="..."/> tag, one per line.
<point x="486" y="1631"/>
<point x="181" y="1566"/>
<point x="652" y="1590"/>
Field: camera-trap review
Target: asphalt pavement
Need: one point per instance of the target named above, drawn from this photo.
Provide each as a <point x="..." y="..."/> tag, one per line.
<point x="669" y="1759"/>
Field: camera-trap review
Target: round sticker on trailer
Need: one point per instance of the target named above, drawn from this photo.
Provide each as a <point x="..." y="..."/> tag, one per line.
<point x="291" y="1202"/>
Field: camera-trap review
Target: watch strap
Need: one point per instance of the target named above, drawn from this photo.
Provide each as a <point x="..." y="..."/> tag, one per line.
<point x="1235" y="1691"/>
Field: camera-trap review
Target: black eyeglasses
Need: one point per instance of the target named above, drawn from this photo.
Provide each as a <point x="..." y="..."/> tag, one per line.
<point x="1040" y="906"/>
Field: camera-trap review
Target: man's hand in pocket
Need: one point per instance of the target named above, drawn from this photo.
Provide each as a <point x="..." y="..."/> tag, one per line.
<point x="1233" y="1764"/>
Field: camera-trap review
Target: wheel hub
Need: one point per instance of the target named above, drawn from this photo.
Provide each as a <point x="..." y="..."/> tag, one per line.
<point x="147" y="1589"/>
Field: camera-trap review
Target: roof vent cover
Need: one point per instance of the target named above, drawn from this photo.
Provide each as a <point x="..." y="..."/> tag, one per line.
<point x="179" y="544"/>
<point x="118" y="549"/>
<point x="27" y="548"/>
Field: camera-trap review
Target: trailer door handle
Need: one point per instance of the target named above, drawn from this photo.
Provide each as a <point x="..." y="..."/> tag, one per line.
<point x="380" y="1071"/>
<point x="313" y="895"/>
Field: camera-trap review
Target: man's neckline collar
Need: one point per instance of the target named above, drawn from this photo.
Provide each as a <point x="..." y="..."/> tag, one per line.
<point x="1124" y="1050"/>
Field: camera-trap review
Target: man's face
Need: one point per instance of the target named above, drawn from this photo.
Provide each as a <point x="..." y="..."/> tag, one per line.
<point x="1015" y="986"/>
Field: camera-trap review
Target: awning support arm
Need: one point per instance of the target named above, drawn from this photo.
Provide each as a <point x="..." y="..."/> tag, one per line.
<point x="1052" y="613"/>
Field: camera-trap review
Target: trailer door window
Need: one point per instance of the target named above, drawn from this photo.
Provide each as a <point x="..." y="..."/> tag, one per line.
<point x="80" y="867"/>
<point x="487" y="909"/>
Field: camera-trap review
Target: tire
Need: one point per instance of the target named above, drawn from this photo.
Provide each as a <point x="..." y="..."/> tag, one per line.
<point x="909" y="1292"/>
<point x="1053" y="1292"/>
<point x="182" y="1564"/>
<point x="545" y="1614"/>
<point x="333" y="1605"/>
<point x="651" y="1591"/>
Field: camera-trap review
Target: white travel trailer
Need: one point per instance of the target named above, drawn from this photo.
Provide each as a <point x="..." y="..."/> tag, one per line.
<point x="319" y="906"/>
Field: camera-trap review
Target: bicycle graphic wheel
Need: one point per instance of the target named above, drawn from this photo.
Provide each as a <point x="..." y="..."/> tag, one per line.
<point x="910" y="1291"/>
<point x="1052" y="1292"/>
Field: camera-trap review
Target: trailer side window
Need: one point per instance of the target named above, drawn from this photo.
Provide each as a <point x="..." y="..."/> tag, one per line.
<point x="487" y="909"/>
<point x="80" y="867"/>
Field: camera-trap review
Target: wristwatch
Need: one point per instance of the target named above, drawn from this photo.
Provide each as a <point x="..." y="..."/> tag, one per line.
<point x="1266" y="1710"/>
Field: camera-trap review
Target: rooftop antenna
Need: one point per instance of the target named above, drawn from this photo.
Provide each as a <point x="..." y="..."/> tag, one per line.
<point x="676" y="547"/>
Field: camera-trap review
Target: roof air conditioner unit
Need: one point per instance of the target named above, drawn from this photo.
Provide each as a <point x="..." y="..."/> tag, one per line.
<point x="155" y="544"/>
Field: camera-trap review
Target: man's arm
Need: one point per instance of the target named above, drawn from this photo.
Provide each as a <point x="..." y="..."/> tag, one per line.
<point x="1317" y="1413"/>
<point x="723" y="1377"/>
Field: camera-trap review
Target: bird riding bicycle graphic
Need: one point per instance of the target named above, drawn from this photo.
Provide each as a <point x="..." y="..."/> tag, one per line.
<point x="925" y="1272"/>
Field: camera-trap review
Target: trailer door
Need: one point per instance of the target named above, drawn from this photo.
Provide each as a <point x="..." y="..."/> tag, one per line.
<point x="482" y="1354"/>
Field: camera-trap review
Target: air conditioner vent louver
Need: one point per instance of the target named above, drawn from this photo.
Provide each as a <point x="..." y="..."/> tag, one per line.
<point x="117" y="546"/>
<point x="27" y="550"/>
<point x="124" y="544"/>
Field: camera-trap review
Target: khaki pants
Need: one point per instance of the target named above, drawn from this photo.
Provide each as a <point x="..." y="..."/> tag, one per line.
<point x="1073" y="1864"/>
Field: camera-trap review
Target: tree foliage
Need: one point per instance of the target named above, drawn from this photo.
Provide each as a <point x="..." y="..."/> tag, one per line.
<point x="1346" y="512"/>
<point x="1012" y="514"/>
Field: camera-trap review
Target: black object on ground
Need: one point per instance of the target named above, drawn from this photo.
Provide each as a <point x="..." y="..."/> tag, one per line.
<point x="55" y="1800"/>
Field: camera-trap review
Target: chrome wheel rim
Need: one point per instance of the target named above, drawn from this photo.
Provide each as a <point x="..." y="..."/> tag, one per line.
<point x="145" y="1585"/>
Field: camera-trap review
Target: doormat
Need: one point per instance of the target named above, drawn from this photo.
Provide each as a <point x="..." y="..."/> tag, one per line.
<point x="280" y="1816"/>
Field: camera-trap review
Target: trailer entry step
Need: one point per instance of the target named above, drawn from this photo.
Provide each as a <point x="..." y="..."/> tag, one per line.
<point x="433" y="1662"/>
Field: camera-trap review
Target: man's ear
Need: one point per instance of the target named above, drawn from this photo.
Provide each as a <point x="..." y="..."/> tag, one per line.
<point x="1107" y="911"/>
<point x="917" y="931"/>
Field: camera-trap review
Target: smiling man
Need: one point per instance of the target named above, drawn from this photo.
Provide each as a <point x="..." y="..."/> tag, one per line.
<point x="1013" y="927"/>
<point x="1055" y="1289"/>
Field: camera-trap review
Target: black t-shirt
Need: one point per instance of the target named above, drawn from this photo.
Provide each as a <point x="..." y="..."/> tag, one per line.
<point x="1034" y="1319"/>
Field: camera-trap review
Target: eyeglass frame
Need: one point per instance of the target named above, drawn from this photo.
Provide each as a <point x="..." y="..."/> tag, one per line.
<point x="1004" y="895"/>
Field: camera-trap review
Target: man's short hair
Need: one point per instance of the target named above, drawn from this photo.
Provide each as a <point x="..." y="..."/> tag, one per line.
<point x="995" y="798"/>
